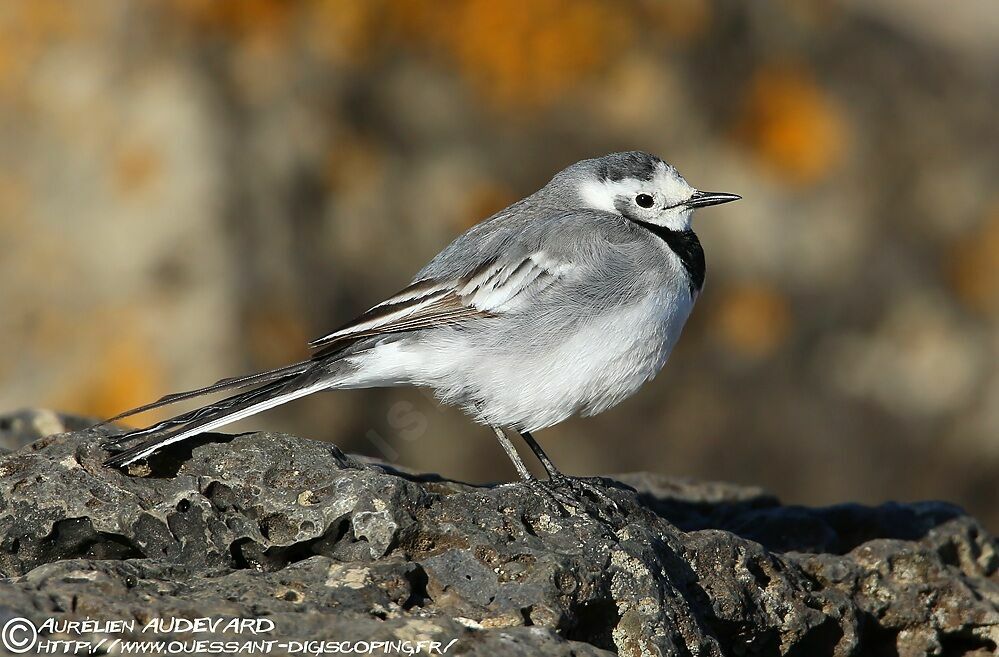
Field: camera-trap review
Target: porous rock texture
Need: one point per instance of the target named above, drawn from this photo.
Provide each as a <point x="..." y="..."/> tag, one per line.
<point x="266" y="525"/>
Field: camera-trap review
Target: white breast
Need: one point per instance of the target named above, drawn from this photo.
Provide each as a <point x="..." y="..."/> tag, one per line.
<point x="618" y="353"/>
<point x="601" y="363"/>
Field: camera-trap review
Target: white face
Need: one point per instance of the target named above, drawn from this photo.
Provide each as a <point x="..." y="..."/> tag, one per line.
<point x="658" y="201"/>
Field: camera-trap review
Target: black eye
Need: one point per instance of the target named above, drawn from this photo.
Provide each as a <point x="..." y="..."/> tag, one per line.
<point x="644" y="200"/>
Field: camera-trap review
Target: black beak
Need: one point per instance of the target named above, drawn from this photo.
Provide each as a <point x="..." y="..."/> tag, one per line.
<point x="704" y="199"/>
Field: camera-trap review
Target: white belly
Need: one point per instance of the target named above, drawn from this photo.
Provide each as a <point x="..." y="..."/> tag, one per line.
<point x="508" y="384"/>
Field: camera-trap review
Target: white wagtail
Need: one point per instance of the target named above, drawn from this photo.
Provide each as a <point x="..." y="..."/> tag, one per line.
<point x="565" y="302"/>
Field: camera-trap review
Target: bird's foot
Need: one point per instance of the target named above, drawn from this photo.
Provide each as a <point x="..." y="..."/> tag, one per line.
<point x="590" y="492"/>
<point x="574" y="495"/>
<point x="559" y="501"/>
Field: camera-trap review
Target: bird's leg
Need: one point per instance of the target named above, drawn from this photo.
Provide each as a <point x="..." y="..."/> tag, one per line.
<point x="558" y="502"/>
<point x="511" y="451"/>
<point x="589" y="487"/>
<point x="553" y="473"/>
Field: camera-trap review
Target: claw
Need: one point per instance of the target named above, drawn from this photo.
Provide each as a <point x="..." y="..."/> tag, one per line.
<point x="574" y="495"/>
<point x="588" y="487"/>
<point x="554" y="498"/>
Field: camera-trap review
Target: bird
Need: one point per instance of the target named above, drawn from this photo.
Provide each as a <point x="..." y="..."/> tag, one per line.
<point x="564" y="303"/>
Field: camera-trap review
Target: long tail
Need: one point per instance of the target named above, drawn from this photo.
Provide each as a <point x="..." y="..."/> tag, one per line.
<point x="280" y="386"/>
<point x="234" y="383"/>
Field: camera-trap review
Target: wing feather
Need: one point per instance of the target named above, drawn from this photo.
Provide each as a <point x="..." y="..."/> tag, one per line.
<point x="496" y="287"/>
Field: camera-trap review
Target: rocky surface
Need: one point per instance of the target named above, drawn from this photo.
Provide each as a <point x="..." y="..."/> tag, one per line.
<point x="264" y="525"/>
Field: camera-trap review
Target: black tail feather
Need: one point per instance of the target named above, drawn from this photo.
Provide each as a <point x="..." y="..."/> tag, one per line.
<point x="232" y="383"/>
<point x="181" y="426"/>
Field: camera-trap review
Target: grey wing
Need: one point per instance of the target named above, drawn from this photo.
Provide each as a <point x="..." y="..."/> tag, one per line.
<point x="498" y="267"/>
<point x="493" y="288"/>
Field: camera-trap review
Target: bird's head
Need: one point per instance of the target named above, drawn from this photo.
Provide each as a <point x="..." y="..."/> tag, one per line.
<point x="634" y="185"/>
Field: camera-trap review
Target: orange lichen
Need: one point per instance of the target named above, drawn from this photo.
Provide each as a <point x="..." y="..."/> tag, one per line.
<point x="973" y="267"/>
<point x="753" y="320"/>
<point x="126" y="373"/>
<point x="135" y="168"/>
<point x="515" y="54"/>
<point x="255" y="22"/>
<point x="792" y="125"/>
<point x="531" y="53"/>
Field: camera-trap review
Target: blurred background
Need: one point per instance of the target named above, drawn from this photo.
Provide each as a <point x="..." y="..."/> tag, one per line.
<point x="194" y="189"/>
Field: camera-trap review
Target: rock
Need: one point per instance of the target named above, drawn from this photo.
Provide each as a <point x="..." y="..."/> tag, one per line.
<point x="263" y="525"/>
<point x="26" y="426"/>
